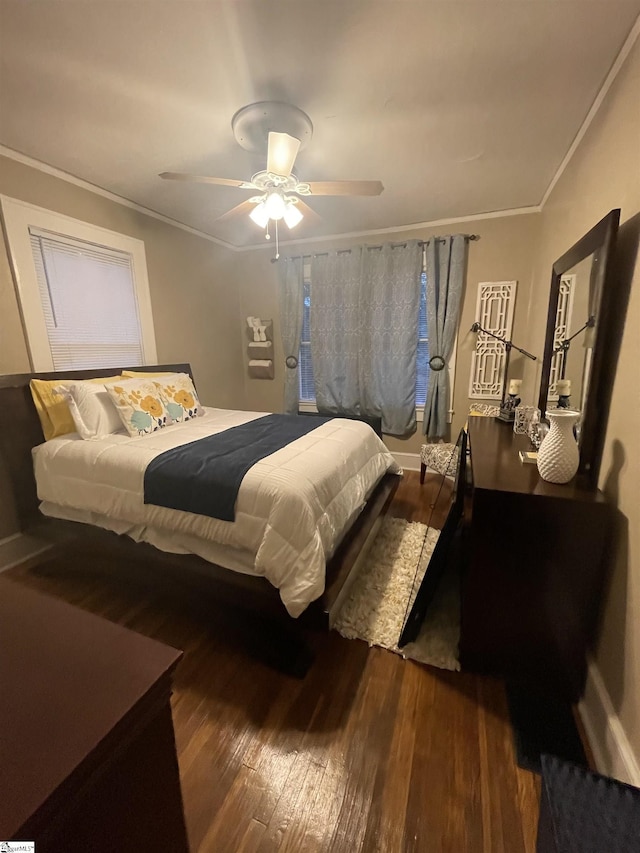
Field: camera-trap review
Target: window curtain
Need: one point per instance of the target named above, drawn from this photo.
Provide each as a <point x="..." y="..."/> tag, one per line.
<point x="291" y="307"/>
<point x="334" y="322"/>
<point x="446" y="271"/>
<point x="364" y="333"/>
<point x="390" y="305"/>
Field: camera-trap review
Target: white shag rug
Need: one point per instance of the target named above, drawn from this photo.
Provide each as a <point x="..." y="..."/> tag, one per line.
<point x="386" y="582"/>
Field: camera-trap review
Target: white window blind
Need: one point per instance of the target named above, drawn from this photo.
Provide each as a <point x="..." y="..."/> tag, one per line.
<point x="89" y="302"/>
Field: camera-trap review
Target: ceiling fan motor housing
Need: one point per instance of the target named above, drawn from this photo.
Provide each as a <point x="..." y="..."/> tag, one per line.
<point x="252" y="124"/>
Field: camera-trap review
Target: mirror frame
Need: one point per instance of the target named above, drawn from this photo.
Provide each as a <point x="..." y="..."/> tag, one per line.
<point x="600" y="242"/>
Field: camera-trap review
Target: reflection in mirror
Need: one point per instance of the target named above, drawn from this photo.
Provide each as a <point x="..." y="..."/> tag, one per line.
<point x="580" y="349"/>
<point x="574" y="336"/>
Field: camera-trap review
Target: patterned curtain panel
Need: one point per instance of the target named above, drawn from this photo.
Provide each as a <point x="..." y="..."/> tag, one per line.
<point x="291" y="307"/>
<point x="335" y="322"/>
<point x="390" y="304"/>
<point x="446" y="272"/>
<point x="364" y="333"/>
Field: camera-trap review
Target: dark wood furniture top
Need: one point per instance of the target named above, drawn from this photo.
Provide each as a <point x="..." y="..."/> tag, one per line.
<point x="497" y="467"/>
<point x="20" y="431"/>
<point x="77" y="692"/>
<point x="534" y="569"/>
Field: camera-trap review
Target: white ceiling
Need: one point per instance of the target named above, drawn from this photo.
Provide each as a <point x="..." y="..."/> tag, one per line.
<point x="459" y="108"/>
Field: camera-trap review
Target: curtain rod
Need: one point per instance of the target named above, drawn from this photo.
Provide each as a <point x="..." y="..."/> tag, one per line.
<point x="394" y="245"/>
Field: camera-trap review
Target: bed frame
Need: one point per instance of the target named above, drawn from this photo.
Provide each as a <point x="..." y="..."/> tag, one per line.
<point x="20" y="431"/>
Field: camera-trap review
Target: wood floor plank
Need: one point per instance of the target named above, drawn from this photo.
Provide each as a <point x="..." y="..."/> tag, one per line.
<point x="367" y="754"/>
<point x="500" y="786"/>
<point x="394" y="796"/>
<point x="228" y="829"/>
<point x="252" y="837"/>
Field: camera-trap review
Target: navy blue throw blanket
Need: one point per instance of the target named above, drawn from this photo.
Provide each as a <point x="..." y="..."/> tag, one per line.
<point x="204" y="476"/>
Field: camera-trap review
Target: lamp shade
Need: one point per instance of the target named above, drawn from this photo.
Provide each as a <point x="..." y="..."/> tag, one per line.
<point x="292" y="216"/>
<point x="260" y="214"/>
<point x="275" y="205"/>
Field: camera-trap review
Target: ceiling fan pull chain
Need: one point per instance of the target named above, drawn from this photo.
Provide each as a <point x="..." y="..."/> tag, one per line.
<point x="277" y="244"/>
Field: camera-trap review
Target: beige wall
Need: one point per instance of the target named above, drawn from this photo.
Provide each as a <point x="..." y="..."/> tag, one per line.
<point x="504" y="252"/>
<point x="604" y="173"/>
<point x="194" y="301"/>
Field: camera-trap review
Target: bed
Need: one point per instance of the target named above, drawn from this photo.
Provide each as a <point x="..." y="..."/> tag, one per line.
<point x="302" y="513"/>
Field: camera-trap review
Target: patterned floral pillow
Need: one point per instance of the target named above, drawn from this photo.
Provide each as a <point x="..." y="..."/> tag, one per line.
<point x="140" y="405"/>
<point x="180" y="396"/>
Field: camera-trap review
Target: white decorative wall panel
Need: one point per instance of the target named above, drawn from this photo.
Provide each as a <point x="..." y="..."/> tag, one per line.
<point x="563" y="324"/>
<point x="494" y="311"/>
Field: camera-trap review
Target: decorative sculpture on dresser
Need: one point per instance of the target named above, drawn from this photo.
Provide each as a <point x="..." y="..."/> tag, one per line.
<point x="558" y="456"/>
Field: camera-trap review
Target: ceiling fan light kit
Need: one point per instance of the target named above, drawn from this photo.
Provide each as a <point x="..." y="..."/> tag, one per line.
<point x="260" y="214"/>
<point x="292" y="216"/>
<point x="285" y="129"/>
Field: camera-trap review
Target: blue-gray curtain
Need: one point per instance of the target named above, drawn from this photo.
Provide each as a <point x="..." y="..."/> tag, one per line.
<point x="446" y="272"/>
<point x="334" y="322"/>
<point x="291" y="307"/>
<point x="390" y="305"/>
<point x="364" y="332"/>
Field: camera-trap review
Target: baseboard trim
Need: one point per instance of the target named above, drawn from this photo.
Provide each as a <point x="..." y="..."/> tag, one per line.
<point x="408" y="461"/>
<point x="609" y="744"/>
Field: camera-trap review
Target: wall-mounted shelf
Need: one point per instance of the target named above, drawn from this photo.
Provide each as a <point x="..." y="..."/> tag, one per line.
<point x="260" y="348"/>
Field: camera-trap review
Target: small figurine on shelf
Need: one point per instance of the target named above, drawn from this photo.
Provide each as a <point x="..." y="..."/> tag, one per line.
<point x="509" y="404"/>
<point x="258" y="327"/>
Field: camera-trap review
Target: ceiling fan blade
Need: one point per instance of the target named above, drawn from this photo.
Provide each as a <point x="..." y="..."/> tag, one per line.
<point x="244" y="208"/>
<point x="282" y="153"/>
<point x="308" y="212"/>
<point x="346" y="187"/>
<point x="205" y="179"/>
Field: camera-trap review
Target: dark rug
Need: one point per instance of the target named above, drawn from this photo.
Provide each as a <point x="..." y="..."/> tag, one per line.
<point x="543" y="724"/>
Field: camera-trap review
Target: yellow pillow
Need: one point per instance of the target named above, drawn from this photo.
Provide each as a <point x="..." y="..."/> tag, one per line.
<point x="52" y="408"/>
<point x="132" y="374"/>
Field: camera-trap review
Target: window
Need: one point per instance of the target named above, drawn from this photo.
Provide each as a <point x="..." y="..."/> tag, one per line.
<point x="83" y="291"/>
<point x="307" y="393"/>
<point x="89" y="303"/>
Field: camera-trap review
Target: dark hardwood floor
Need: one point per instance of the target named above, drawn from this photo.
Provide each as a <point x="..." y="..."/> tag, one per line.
<point x="367" y="753"/>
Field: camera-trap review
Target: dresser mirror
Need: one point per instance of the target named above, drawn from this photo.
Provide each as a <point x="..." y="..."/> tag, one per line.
<point x="582" y="339"/>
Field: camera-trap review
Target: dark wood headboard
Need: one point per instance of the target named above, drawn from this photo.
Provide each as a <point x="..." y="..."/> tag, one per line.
<point x="20" y="429"/>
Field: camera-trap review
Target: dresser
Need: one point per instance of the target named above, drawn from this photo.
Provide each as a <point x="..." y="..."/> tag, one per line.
<point x="534" y="566"/>
<point x="86" y="737"/>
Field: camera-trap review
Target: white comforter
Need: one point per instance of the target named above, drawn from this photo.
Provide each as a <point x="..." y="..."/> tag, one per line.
<point x="292" y="510"/>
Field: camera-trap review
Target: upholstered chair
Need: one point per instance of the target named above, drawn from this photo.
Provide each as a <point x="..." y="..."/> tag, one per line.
<point x="440" y="458"/>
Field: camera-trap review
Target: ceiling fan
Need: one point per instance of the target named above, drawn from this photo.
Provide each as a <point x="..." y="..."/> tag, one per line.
<point x="283" y="129"/>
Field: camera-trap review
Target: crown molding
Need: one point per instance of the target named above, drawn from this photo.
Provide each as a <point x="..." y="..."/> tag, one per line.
<point x="619" y="61"/>
<point x="400" y="229"/>
<point x="85" y="185"/>
<point x="93" y="188"/>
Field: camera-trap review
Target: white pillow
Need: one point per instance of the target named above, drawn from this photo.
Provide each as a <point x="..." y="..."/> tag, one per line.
<point x="92" y="409"/>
